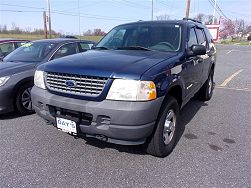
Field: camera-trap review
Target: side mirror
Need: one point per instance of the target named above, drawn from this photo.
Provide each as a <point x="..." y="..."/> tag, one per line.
<point x="197" y="49"/>
<point x="93" y="46"/>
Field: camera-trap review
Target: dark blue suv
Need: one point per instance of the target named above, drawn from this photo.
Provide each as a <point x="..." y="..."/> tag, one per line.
<point x="131" y="87"/>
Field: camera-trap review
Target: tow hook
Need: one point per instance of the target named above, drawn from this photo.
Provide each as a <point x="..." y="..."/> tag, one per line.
<point x="101" y="137"/>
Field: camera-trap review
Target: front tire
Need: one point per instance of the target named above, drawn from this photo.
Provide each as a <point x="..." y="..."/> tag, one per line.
<point x="23" y="99"/>
<point x="163" y="140"/>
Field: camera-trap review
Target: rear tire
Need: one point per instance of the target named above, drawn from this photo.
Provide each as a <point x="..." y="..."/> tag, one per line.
<point x="206" y="91"/>
<point x="163" y="140"/>
<point x="23" y="99"/>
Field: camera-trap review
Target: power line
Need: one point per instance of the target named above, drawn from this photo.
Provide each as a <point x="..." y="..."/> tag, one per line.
<point x="22" y="6"/>
<point x="217" y="8"/>
<point x="72" y="13"/>
<point x="240" y="14"/>
<point x="211" y="3"/>
<point x="164" y="3"/>
<point x="86" y="5"/>
<point x="21" y="11"/>
<point x="91" y="16"/>
<point x="169" y="7"/>
<point x="133" y="4"/>
<point x="98" y="17"/>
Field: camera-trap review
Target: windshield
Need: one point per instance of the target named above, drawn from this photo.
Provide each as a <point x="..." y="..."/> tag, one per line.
<point x="31" y="52"/>
<point x="159" y="37"/>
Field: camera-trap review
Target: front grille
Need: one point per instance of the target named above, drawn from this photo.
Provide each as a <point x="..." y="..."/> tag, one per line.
<point x="84" y="85"/>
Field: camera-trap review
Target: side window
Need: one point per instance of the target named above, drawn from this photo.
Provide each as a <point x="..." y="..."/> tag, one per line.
<point x="201" y="37"/>
<point x="210" y="40"/>
<point x="85" y="46"/>
<point x="6" y="48"/>
<point x="209" y="36"/>
<point x="65" y="50"/>
<point x="20" y="44"/>
<point x="192" y="38"/>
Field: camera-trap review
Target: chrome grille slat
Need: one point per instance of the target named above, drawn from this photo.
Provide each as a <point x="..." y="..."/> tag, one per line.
<point x="80" y="78"/>
<point x="85" y="85"/>
<point x="78" y="83"/>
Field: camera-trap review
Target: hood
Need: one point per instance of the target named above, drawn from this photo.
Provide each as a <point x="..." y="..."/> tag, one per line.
<point x="108" y="63"/>
<point x="10" y="68"/>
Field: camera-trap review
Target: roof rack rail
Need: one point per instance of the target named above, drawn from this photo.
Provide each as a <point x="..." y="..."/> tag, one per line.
<point x="190" y="19"/>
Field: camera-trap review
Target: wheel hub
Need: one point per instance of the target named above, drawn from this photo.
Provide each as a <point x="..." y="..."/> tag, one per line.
<point x="169" y="126"/>
<point x="26" y="99"/>
<point x="210" y="85"/>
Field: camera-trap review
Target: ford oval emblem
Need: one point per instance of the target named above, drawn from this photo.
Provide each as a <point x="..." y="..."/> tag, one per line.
<point x="70" y="83"/>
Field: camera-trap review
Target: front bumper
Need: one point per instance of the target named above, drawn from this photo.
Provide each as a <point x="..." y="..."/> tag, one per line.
<point x="118" y="121"/>
<point x="6" y="99"/>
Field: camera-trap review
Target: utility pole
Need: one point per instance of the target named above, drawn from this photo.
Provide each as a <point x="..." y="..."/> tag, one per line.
<point x="152" y="10"/>
<point x="214" y="11"/>
<point x="79" y="30"/>
<point x="45" y="25"/>
<point x="49" y="16"/>
<point x="188" y="9"/>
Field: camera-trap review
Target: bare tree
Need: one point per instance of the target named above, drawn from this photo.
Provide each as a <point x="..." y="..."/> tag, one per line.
<point x="88" y="33"/>
<point x="200" y="17"/>
<point x="163" y="17"/>
<point x="98" y="32"/>
<point x="13" y="25"/>
<point x="240" y="26"/>
<point x="207" y="19"/>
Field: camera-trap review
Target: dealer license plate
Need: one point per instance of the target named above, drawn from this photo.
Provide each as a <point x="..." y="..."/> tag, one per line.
<point x="66" y="125"/>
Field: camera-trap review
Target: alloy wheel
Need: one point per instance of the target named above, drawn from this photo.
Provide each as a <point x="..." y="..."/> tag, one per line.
<point x="169" y="126"/>
<point x="26" y="99"/>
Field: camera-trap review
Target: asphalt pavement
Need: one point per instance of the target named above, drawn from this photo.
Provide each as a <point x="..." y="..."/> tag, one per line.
<point x="213" y="151"/>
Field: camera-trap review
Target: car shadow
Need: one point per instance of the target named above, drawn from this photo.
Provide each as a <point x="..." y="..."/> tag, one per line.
<point x="186" y="115"/>
<point x="12" y="115"/>
<point x="133" y="149"/>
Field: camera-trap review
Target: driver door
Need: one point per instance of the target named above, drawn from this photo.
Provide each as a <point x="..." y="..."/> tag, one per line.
<point x="192" y="67"/>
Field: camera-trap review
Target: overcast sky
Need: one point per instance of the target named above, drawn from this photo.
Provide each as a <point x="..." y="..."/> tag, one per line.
<point x="106" y="14"/>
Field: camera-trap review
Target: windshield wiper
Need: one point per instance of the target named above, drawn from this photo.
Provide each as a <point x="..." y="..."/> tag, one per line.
<point x="134" y="48"/>
<point x="11" y="61"/>
<point x="100" y="48"/>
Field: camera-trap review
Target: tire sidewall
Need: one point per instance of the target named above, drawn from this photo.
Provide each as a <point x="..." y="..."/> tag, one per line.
<point x="165" y="149"/>
<point x="210" y="78"/>
<point x="21" y="109"/>
<point x="203" y="94"/>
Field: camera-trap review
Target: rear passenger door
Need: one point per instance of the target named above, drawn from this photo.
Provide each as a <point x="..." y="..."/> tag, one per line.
<point x="6" y="48"/>
<point x="65" y="50"/>
<point x="84" y="46"/>
<point x="211" y="52"/>
<point x="18" y="44"/>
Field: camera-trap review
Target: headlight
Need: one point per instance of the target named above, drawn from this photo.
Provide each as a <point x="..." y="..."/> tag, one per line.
<point x="3" y="80"/>
<point x="132" y="90"/>
<point x="39" y="79"/>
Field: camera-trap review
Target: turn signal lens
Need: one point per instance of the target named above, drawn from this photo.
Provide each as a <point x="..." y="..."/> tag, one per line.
<point x="152" y="92"/>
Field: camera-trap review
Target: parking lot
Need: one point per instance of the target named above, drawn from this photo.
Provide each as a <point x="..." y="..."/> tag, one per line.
<point x="213" y="151"/>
